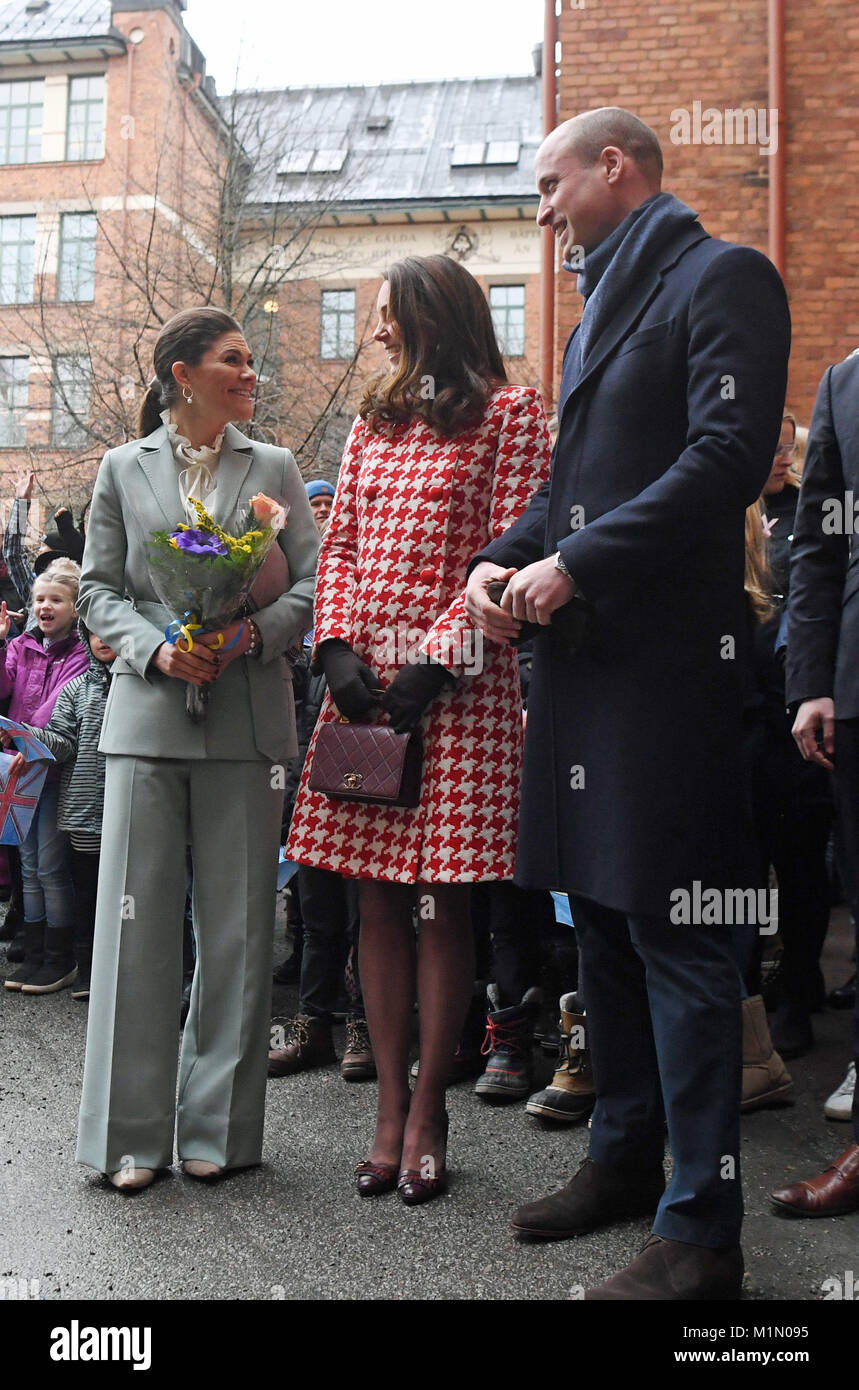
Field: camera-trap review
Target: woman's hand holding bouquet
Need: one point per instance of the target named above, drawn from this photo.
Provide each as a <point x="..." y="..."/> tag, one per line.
<point x="203" y="575"/>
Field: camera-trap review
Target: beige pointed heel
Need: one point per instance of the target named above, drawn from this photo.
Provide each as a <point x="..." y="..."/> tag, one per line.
<point x="132" y="1179"/>
<point x="199" y="1168"/>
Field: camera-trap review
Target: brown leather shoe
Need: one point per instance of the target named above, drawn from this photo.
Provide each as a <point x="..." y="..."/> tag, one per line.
<point x="672" y="1271"/>
<point x="834" y="1193"/>
<point x="309" y="1045"/>
<point x="598" y="1195"/>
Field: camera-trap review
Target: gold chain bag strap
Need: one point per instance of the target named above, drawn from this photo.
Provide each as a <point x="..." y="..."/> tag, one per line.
<point x="369" y="763"/>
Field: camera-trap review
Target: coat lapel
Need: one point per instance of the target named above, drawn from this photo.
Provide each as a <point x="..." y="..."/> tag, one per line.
<point x="237" y="456"/>
<point x="155" y="457"/>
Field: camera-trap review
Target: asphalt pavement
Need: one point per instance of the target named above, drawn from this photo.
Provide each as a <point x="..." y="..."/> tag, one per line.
<point x="296" y="1229"/>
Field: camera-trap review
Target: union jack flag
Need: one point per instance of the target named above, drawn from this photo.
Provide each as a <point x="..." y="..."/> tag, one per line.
<point x="19" y="795"/>
<point x="25" y="741"/>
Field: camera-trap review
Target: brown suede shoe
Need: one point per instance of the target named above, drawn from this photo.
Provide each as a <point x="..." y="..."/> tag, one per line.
<point x="309" y="1045"/>
<point x="834" y="1193"/>
<point x="672" y="1271"/>
<point x="598" y="1195"/>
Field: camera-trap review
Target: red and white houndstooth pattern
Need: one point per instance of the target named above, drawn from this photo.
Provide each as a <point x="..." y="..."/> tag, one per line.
<point x="409" y="514"/>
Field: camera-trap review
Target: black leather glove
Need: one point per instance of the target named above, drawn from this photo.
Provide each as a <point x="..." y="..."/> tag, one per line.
<point x="355" y="689"/>
<point x="411" y="690"/>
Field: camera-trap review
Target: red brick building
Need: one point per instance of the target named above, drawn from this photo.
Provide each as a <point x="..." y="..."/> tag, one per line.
<point x="661" y="57"/>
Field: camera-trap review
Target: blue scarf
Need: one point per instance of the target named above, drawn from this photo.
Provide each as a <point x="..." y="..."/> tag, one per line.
<point x="613" y="268"/>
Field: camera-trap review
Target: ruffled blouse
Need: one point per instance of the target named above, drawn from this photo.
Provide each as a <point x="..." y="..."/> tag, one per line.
<point x="198" y="467"/>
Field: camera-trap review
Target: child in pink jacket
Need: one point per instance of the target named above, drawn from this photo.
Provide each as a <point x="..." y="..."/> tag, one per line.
<point x="33" y="670"/>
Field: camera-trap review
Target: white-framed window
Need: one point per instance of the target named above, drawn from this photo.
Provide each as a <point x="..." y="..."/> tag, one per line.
<point x="14" y="401"/>
<point x="70" y="400"/>
<point x="507" y="306"/>
<point x="85" y="126"/>
<point x="76" y="271"/>
<point x="17" y="255"/>
<point x="21" y="108"/>
<point x="337" y="338"/>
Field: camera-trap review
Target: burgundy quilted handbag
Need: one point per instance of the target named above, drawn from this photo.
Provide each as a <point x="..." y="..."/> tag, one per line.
<point x="368" y="762"/>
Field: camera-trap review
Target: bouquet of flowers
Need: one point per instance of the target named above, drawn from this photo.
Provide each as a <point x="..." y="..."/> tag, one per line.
<point x="204" y="575"/>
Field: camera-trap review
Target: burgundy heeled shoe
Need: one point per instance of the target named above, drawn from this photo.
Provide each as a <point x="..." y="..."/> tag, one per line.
<point x="413" y="1188"/>
<point x="375" y="1178"/>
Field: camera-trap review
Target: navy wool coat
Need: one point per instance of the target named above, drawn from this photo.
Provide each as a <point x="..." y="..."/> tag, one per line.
<point x="633" y="784"/>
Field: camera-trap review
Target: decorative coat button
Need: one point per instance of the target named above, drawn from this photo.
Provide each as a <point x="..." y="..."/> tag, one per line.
<point x="427" y="576"/>
<point x="436" y="493"/>
<point x="371" y="494"/>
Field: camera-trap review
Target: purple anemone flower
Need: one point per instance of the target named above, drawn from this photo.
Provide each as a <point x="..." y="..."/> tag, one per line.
<point x="199" y="543"/>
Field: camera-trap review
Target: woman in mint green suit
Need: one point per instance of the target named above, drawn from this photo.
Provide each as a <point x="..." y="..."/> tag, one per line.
<point x="171" y="784"/>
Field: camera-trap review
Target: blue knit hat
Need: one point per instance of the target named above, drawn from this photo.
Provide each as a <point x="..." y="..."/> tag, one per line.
<point x="318" y="487"/>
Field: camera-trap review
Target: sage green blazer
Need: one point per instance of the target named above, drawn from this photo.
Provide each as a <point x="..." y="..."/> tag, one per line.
<point x="251" y="713"/>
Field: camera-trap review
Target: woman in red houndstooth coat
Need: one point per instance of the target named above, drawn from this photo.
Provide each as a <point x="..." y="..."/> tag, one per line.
<point x="443" y="456"/>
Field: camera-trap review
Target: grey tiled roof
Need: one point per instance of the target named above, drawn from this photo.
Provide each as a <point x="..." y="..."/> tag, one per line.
<point x="409" y="158"/>
<point x="61" y="19"/>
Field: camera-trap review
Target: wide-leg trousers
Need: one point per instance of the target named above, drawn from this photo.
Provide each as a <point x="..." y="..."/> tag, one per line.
<point x="664" y="1026"/>
<point x="229" y="814"/>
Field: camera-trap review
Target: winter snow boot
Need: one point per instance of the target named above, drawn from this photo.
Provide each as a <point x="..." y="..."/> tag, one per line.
<point x="33" y="946"/>
<point x="570" y="1096"/>
<point x="58" y="969"/>
<point x="507" y="1047"/>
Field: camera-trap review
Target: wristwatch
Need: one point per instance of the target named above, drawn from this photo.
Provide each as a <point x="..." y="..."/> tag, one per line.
<point x="559" y="565"/>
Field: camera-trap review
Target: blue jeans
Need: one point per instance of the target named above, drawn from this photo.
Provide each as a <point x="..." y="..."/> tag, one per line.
<point x="664" y="1029"/>
<point x="46" y="865"/>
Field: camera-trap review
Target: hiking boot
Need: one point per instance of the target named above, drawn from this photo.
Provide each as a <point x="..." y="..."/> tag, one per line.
<point x="33" y="949"/>
<point x="309" y="1044"/>
<point x="507" y="1046"/>
<point x="598" y="1195"/>
<point x="58" y="968"/>
<point x="570" y="1096"/>
<point x="766" y="1079"/>
<point x="358" y="1062"/>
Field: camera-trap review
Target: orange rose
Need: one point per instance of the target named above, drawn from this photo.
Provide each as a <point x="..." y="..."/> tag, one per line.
<point x="268" y="512"/>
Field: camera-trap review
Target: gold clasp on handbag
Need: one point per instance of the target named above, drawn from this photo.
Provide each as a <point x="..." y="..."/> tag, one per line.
<point x="353" y="780"/>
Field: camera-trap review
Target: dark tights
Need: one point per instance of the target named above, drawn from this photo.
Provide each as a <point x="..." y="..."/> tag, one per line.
<point x="439" y="970"/>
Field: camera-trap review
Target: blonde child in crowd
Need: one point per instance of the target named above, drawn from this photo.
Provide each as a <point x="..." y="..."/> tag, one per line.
<point x="34" y="668"/>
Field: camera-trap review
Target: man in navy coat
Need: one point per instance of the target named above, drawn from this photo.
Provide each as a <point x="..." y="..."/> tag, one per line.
<point x="669" y="412"/>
